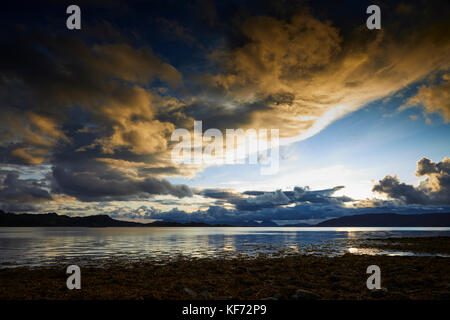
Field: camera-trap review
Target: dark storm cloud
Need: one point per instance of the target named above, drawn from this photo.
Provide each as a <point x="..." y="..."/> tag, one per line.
<point x="221" y="194"/>
<point x="16" y="190"/>
<point x="167" y="170"/>
<point x="214" y="112"/>
<point x="60" y="71"/>
<point x="257" y="200"/>
<point x="18" y="207"/>
<point x="44" y="77"/>
<point x="391" y="186"/>
<point x="427" y="167"/>
<point x="92" y="181"/>
<point x="317" y="196"/>
<point x="434" y="190"/>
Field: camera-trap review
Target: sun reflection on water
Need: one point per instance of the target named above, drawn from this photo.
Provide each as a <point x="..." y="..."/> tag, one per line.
<point x="41" y="246"/>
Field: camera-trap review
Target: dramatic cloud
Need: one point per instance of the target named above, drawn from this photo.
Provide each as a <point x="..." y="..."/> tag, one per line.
<point x="434" y="99"/>
<point x="306" y="74"/>
<point x="391" y="186"/>
<point x="116" y="115"/>
<point x="98" y="107"/>
<point x="311" y="213"/>
<point x="15" y="190"/>
<point x="434" y="190"/>
<point x="95" y="182"/>
<point x="105" y="80"/>
<point x="141" y="213"/>
<point x="257" y="200"/>
<point x="265" y="200"/>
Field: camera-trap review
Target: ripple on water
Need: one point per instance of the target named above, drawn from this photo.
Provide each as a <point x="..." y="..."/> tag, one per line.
<point x="50" y="246"/>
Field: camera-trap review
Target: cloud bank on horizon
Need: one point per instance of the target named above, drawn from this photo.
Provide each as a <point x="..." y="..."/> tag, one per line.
<point x="86" y="117"/>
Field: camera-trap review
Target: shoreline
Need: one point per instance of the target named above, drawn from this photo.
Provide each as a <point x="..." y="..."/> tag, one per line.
<point x="270" y="278"/>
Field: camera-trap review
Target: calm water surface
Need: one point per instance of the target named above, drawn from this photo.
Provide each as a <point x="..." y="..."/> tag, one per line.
<point x="46" y="246"/>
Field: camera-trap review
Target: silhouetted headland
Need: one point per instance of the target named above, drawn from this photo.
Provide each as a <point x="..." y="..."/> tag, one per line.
<point x="362" y="220"/>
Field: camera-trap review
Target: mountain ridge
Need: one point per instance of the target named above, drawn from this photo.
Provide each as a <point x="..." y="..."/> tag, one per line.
<point x="389" y="220"/>
<point x="360" y="220"/>
<point x="54" y="220"/>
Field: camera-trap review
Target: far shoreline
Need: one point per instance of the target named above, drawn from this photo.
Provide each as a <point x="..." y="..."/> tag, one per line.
<point x="371" y="220"/>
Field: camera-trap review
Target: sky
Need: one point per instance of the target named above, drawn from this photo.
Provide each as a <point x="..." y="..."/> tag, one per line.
<point x="87" y="116"/>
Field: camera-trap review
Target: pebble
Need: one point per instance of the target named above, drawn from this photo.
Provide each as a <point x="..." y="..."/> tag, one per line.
<point x="302" y="294"/>
<point x="190" y="292"/>
<point x="205" y="294"/>
<point x="379" y="293"/>
<point x="248" y="292"/>
<point x="269" y="299"/>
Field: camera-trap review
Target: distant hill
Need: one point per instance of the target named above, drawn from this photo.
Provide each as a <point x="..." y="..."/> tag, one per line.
<point x="362" y="220"/>
<point x="179" y="224"/>
<point x="303" y="225"/>
<point x="55" y="220"/>
<point x="389" y="220"/>
<point x="253" y="223"/>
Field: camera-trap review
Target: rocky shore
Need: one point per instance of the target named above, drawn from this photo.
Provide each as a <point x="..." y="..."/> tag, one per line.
<point x="290" y="277"/>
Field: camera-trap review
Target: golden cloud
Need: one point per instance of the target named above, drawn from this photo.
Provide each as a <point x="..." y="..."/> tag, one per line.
<point x="434" y="99"/>
<point x="296" y="75"/>
<point x="314" y="76"/>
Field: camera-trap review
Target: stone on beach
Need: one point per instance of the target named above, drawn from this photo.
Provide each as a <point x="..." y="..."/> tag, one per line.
<point x="302" y="294"/>
<point x="190" y="292"/>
